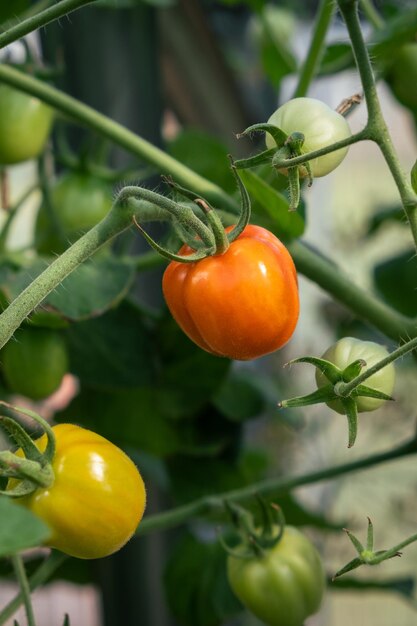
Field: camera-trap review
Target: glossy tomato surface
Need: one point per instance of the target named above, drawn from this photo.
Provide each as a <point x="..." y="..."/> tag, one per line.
<point x="283" y="587"/>
<point x="97" y="499"/>
<point x="34" y="362"/>
<point x="320" y="125"/>
<point x="25" y="123"/>
<point x="348" y="350"/>
<point x="241" y="304"/>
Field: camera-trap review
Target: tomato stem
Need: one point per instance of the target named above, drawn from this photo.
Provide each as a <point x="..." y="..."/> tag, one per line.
<point x="345" y="389"/>
<point x="20" y="572"/>
<point x="38" y="578"/>
<point x="315" y="52"/>
<point x="40" y="19"/>
<point x="269" y="488"/>
<point x="376" y="128"/>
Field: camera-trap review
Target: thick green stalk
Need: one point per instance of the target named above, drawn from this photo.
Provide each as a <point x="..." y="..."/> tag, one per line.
<point x="372" y="14"/>
<point x="368" y="307"/>
<point x="42" y="574"/>
<point x="117" y="133"/>
<point x="316" y="49"/>
<point x="328" y="276"/>
<point x="309" y="156"/>
<point x="40" y="19"/>
<point x="377" y="127"/>
<point x="270" y="488"/>
<point x="19" y="569"/>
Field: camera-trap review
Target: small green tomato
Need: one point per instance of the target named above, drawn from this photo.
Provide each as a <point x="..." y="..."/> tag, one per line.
<point x="320" y="125"/>
<point x="348" y="350"/>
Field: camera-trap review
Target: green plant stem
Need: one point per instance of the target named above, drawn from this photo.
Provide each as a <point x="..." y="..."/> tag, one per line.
<point x="42" y="574"/>
<point x="117" y="133"/>
<point x="270" y="488"/>
<point x="308" y="262"/>
<point x="315" y="52"/>
<point x="40" y="19"/>
<point x="335" y="282"/>
<point x="387" y="554"/>
<point x="308" y="156"/>
<point x="11" y="214"/>
<point x="374" y="17"/>
<point x="345" y="389"/>
<point x="376" y="128"/>
<point x="19" y="569"/>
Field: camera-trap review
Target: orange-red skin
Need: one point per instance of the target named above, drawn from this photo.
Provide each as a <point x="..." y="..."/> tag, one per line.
<point x="241" y="304"/>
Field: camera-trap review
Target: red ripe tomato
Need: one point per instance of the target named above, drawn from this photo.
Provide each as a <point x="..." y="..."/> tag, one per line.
<point x="241" y="304"/>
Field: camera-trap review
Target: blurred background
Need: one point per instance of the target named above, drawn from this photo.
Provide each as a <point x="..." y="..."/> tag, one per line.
<point x="187" y="75"/>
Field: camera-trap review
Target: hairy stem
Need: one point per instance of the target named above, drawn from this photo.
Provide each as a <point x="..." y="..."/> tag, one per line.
<point x="377" y="127"/>
<point x="117" y="133"/>
<point x="40" y="19"/>
<point x="270" y="488"/>
<point x="19" y="569"/>
<point x="316" y="49"/>
<point x="42" y="574"/>
<point x="345" y="389"/>
<point x="328" y="276"/>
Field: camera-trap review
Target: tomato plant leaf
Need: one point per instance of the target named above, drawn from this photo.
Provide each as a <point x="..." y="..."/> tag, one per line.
<point x="19" y="528"/>
<point x="195" y="579"/>
<point x="205" y="155"/>
<point x="143" y="426"/>
<point x="395" y="279"/>
<point x="273" y="205"/>
<point x="89" y="291"/>
<point x="101" y="353"/>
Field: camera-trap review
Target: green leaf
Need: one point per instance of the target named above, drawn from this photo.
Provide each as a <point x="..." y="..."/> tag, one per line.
<point x="337" y="57"/>
<point x="403" y="586"/>
<point x="128" y="418"/>
<point x="11" y="11"/>
<point x="113" y="351"/>
<point x="273" y="205"/>
<point x="129" y="4"/>
<point x="90" y="290"/>
<point x="205" y="155"/>
<point x="276" y="57"/>
<point x="390" y="214"/>
<point x="188" y="478"/>
<point x="239" y="397"/>
<point x="189" y="377"/>
<point x="197" y="589"/>
<point x="395" y="280"/>
<point x="19" y="528"/>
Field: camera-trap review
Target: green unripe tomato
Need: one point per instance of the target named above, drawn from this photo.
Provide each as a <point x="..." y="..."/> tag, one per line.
<point x="348" y="350"/>
<point x="402" y="76"/>
<point x="320" y="125"/>
<point x="25" y="123"/>
<point x="285" y="585"/>
<point x="34" y="362"/>
<point x="80" y="201"/>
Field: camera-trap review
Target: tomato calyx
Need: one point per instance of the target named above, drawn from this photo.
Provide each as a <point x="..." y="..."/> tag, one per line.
<point x="29" y="467"/>
<point x="335" y="390"/>
<point x="204" y="235"/>
<point x="287" y="147"/>
<point x="255" y="539"/>
<point x="366" y="554"/>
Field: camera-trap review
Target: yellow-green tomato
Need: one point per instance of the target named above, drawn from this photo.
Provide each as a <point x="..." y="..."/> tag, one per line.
<point x="25" y="123"/>
<point x="348" y="350"/>
<point x="320" y="125"/>
<point x="402" y="75"/>
<point x="34" y="362"/>
<point x="97" y="498"/>
<point x="283" y="587"/>
<point x="79" y="202"/>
